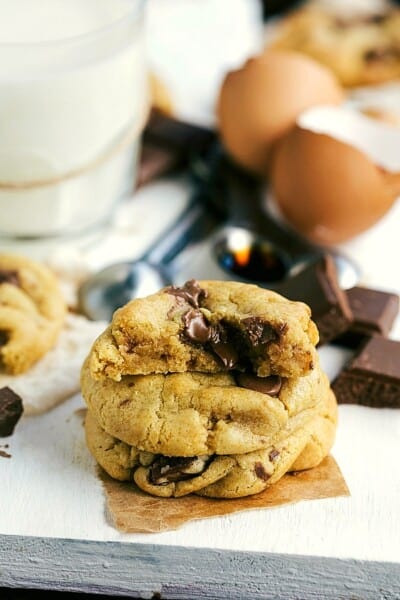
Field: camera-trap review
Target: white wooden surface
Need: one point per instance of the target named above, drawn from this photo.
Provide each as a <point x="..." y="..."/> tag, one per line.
<point x="49" y="490"/>
<point x="49" y="487"/>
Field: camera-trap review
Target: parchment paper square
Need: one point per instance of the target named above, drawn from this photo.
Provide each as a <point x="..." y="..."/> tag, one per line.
<point x="133" y="511"/>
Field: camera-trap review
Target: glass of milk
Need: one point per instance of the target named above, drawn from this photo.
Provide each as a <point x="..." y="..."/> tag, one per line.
<point x="73" y="103"/>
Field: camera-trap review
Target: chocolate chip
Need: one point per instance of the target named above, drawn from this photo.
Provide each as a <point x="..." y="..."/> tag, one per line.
<point x="265" y="385"/>
<point x="166" y="469"/>
<point x="226" y="352"/>
<point x="273" y="454"/>
<point x="196" y="327"/>
<point x="258" y="331"/>
<point x="261" y="472"/>
<point x="4" y="337"/>
<point x="9" y="276"/>
<point x="191" y="292"/>
<point x="11" y="409"/>
<point x="382" y="54"/>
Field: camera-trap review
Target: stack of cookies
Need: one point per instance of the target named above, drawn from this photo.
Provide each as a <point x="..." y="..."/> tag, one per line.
<point x="211" y="388"/>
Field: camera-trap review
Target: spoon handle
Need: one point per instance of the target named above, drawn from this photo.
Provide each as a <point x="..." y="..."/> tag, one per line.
<point x="195" y="223"/>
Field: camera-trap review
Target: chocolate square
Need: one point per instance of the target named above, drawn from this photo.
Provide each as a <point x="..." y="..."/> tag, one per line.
<point x="372" y="377"/>
<point x="374" y="312"/>
<point x="317" y="286"/>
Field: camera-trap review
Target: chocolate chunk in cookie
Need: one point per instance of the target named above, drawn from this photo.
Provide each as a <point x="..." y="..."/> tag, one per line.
<point x="9" y="276"/>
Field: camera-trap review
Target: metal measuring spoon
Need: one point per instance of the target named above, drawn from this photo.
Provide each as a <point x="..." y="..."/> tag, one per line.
<point x="105" y="291"/>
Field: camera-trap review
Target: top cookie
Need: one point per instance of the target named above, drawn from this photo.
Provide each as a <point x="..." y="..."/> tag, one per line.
<point x="207" y="326"/>
<point x="32" y="312"/>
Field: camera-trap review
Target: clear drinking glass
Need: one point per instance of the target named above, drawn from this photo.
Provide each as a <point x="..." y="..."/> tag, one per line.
<point x="73" y="103"/>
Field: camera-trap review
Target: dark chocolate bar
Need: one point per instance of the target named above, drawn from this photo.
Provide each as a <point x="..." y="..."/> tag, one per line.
<point x="169" y="144"/>
<point x="317" y="286"/>
<point x="372" y="377"/>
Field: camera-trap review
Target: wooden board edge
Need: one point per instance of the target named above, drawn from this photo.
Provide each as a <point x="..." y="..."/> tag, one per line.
<point x="175" y="572"/>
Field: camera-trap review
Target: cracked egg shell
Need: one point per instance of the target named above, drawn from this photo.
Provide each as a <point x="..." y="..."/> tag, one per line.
<point x="260" y="102"/>
<point x="326" y="189"/>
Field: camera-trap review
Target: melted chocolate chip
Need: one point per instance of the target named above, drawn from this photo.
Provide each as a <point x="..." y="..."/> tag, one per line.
<point x="191" y="292"/>
<point x="166" y="469"/>
<point x="258" y="331"/>
<point x="387" y="53"/>
<point x="11" y="410"/>
<point x="196" y="327"/>
<point x="9" y="276"/>
<point x="226" y="352"/>
<point x="266" y="385"/>
<point x="261" y="472"/>
<point x="273" y="454"/>
<point x="224" y="337"/>
<point x="4" y="337"/>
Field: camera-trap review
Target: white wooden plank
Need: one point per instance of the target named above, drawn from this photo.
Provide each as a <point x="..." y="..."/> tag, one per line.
<point x="149" y="571"/>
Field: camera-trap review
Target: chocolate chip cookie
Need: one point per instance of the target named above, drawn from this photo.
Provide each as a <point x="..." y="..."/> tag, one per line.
<point x="187" y="414"/>
<point x="32" y="312"/>
<point x="360" y="48"/>
<point x="211" y="327"/>
<point x="301" y="444"/>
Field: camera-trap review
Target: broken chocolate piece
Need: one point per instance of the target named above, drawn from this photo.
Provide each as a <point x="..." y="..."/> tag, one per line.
<point x="372" y="378"/>
<point x="317" y="286"/>
<point x="265" y="385"/>
<point x="169" y="144"/>
<point x="191" y="292"/>
<point x="166" y="469"/>
<point x="373" y="311"/>
<point x="11" y="409"/>
<point x="9" y="276"/>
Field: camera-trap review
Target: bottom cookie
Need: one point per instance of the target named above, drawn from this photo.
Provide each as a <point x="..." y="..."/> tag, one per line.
<point x="301" y="445"/>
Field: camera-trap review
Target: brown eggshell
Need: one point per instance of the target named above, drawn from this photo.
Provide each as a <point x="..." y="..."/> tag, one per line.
<point x="327" y="190"/>
<point x="259" y="103"/>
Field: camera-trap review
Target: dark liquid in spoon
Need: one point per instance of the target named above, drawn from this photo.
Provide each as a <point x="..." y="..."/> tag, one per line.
<point x="256" y="262"/>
